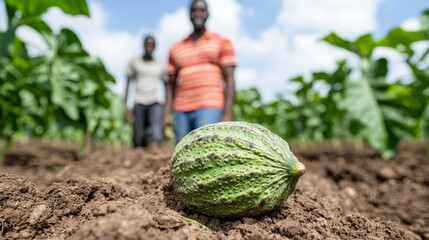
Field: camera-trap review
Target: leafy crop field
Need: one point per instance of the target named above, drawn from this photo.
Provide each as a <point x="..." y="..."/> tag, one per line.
<point x="365" y="137"/>
<point x="53" y="191"/>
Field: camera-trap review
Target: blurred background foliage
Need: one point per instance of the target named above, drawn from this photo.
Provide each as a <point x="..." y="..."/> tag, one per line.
<point x="65" y="93"/>
<point x="364" y="108"/>
<point x="62" y="93"/>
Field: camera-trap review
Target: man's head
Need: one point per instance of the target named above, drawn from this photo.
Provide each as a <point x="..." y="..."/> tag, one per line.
<point x="198" y="13"/>
<point x="149" y="44"/>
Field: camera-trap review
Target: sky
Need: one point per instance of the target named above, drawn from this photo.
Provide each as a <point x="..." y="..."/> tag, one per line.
<point x="274" y="40"/>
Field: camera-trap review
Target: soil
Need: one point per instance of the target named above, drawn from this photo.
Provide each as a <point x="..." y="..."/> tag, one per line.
<point x="53" y="191"/>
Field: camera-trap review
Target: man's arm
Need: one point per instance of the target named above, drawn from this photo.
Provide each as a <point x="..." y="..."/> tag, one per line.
<point x="170" y="87"/>
<point x="228" y="75"/>
<point x="126" y="91"/>
<point x="127" y="113"/>
<point x="130" y="75"/>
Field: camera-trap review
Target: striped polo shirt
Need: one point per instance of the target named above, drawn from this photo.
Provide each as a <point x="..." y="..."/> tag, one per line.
<point x="198" y="65"/>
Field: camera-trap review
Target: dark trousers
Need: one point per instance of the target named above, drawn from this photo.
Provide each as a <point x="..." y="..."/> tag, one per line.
<point x="147" y="124"/>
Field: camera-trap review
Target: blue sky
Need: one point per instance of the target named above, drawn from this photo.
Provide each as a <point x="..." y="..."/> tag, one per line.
<point x="133" y="15"/>
<point x="275" y="40"/>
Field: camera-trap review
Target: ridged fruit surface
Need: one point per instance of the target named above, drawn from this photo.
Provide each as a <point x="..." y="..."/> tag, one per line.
<point x="234" y="169"/>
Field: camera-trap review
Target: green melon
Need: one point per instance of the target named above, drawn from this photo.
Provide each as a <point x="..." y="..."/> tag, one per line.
<point x="234" y="169"/>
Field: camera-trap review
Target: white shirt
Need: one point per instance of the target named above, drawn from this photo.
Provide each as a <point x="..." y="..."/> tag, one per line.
<point x="150" y="76"/>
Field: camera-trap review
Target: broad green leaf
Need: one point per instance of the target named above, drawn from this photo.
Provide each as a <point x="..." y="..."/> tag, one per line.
<point x="39" y="25"/>
<point x="362" y="46"/>
<point x="76" y="82"/>
<point x="69" y="104"/>
<point x="378" y="70"/>
<point x="365" y="45"/>
<point x="362" y="105"/>
<point x="401" y="39"/>
<point x="7" y="37"/>
<point x="370" y="102"/>
<point x="88" y="88"/>
<point x="35" y="8"/>
<point x="28" y="100"/>
<point x="337" y="41"/>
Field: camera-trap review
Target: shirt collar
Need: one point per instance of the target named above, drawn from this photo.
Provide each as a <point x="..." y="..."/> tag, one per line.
<point x="207" y="35"/>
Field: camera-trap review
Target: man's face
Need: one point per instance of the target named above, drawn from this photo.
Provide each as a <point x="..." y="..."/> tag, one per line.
<point x="199" y="14"/>
<point x="149" y="45"/>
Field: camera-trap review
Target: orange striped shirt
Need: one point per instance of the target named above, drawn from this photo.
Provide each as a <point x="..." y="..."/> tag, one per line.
<point x="198" y="66"/>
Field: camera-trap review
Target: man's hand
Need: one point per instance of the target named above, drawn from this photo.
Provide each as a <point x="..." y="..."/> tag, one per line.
<point x="226" y="117"/>
<point x="167" y="127"/>
<point x="128" y="116"/>
<point x="167" y="122"/>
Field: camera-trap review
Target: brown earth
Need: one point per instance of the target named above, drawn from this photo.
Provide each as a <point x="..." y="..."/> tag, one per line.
<point x="52" y="191"/>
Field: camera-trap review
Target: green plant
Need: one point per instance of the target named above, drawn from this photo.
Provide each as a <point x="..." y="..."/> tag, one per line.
<point x="63" y="93"/>
<point x="361" y="107"/>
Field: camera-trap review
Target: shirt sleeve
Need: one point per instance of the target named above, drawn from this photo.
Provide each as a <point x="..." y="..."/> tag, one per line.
<point x="131" y="72"/>
<point x="227" y="54"/>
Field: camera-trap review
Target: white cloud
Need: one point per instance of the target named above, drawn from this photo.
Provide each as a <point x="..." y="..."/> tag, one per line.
<point x="172" y="27"/>
<point x="225" y="17"/>
<point x="411" y="24"/>
<point x="347" y="18"/>
<point x="247" y="74"/>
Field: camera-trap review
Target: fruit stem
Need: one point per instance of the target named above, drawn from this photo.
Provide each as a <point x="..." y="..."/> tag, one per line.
<point x="300" y="168"/>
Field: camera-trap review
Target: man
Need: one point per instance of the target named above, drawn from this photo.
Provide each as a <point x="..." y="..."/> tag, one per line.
<point x="149" y="98"/>
<point x="201" y="86"/>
